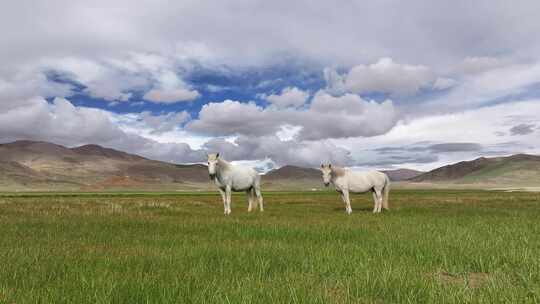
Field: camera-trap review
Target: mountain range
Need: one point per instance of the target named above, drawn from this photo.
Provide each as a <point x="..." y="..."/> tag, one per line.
<point x="33" y="165"/>
<point x="514" y="170"/>
<point x="45" y="166"/>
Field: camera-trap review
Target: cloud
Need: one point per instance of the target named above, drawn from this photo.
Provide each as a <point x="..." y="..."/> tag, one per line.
<point x="387" y="76"/>
<point x="419" y="138"/>
<point x="501" y="85"/>
<point x="522" y="129"/>
<point x="417" y="153"/>
<point x="116" y="79"/>
<point x="169" y="88"/>
<point x="233" y="117"/>
<point x="335" y="83"/>
<point x="455" y="147"/>
<point x="397" y="160"/>
<point x="282" y="152"/>
<point x="106" y="80"/>
<point x="289" y="97"/>
<point x="115" y="54"/>
<point x="436" y="33"/>
<point x="474" y="65"/>
<point x="63" y="123"/>
<point x="171" y="96"/>
<point x="345" y="116"/>
<point x="18" y="88"/>
<point x="444" y="83"/>
<point x="164" y="122"/>
<point x="327" y="117"/>
<point x="59" y="121"/>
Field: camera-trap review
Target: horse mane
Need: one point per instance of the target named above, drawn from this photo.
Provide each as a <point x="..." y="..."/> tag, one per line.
<point x="223" y="164"/>
<point x="338" y="171"/>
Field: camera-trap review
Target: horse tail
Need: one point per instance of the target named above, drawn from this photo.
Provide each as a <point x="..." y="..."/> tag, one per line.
<point x="256" y="183"/>
<point x="386" y="192"/>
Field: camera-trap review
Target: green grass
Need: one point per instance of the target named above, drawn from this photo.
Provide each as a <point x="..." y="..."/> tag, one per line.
<point x="434" y="246"/>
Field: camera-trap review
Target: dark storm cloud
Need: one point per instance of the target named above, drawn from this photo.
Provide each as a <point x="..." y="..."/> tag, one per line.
<point x="455" y="147"/>
<point x="425" y="147"/>
<point x="418" y="153"/>
<point x="402" y="159"/>
<point x="522" y="129"/>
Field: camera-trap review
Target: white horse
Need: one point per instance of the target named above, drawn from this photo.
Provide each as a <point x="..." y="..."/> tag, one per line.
<point x="347" y="181"/>
<point x="235" y="178"/>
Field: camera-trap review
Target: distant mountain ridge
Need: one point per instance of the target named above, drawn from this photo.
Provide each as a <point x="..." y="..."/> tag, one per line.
<point x="96" y="150"/>
<point x="294" y="172"/>
<point x="43" y="165"/>
<point x="518" y="169"/>
<point x="402" y="174"/>
<point x="292" y="177"/>
<point x="33" y="165"/>
<point x="29" y="165"/>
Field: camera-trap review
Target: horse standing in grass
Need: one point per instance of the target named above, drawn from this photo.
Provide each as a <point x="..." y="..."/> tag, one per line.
<point x="347" y="181"/>
<point x="229" y="178"/>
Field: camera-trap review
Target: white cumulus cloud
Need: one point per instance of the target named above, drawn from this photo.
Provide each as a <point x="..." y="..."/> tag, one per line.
<point x="327" y="117"/>
<point x="171" y="95"/>
<point x="289" y="97"/>
<point x="387" y="76"/>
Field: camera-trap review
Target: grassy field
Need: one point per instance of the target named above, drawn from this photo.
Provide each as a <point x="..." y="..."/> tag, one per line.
<point x="434" y="246"/>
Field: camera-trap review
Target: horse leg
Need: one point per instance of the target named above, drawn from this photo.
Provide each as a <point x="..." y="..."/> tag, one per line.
<point x="343" y="199"/>
<point x="377" y="197"/>
<point x="224" y="198"/>
<point x="386" y="193"/>
<point x="228" y="199"/>
<point x="347" y="201"/>
<point x="250" y="199"/>
<point x="380" y="195"/>
<point x="258" y="194"/>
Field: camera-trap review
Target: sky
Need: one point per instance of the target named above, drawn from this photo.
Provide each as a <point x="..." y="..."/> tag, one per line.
<point x="364" y="84"/>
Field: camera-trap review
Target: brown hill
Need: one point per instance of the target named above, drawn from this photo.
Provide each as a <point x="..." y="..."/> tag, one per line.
<point x="402" y="174"/>
<point x="292" y="172"/>
<point x="95" y="150"/>
<point x="29" y="165"/>
<point x="292" y="177"/>
<point x="515" y="170"/>
<point x="11" y="170"/>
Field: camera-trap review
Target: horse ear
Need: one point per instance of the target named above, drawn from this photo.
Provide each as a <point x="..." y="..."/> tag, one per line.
<point x="330" y="166"/>
<point x="217" y="155"/>
<point x="322" y="165"/>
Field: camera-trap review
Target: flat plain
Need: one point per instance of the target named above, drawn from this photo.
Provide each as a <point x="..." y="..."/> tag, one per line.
<point x="433" y="246"/>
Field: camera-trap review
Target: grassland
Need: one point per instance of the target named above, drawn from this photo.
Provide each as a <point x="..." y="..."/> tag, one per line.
<point x="434" y="246"/>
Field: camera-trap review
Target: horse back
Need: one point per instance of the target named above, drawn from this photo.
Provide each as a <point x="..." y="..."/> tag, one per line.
<point x="365" y="181"/>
